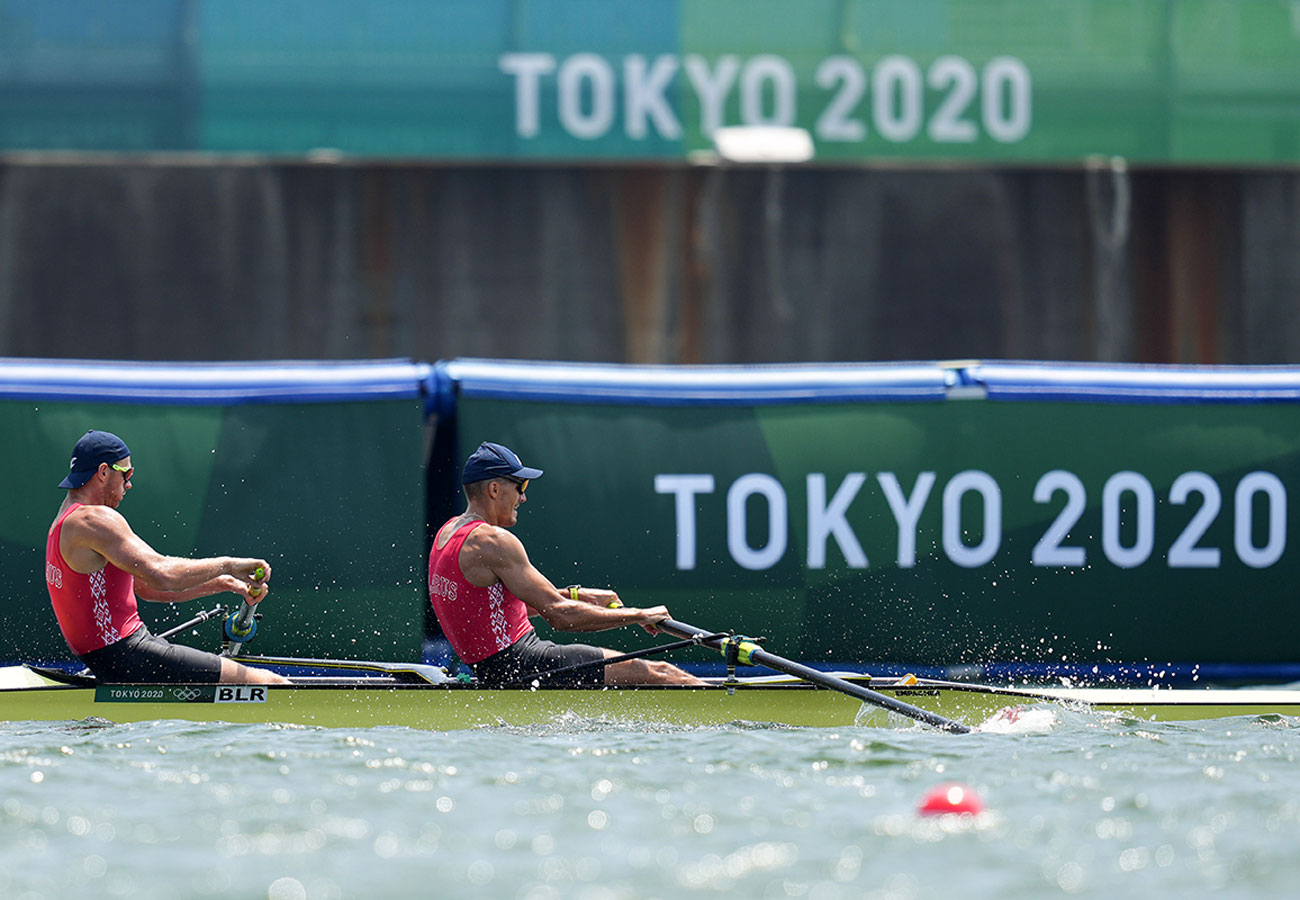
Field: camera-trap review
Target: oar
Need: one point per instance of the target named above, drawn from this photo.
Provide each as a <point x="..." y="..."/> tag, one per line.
<point x="749" y="653"/>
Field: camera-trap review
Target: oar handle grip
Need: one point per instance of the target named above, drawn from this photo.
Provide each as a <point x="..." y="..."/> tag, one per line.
<point x="241" y="626"/>
<point x="258" y="574"/>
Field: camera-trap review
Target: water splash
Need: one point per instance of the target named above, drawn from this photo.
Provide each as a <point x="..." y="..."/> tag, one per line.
<point x="1020" y="720"/>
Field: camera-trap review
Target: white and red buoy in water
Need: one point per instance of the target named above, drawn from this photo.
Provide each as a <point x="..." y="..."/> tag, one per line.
<point x="951" y="797"/>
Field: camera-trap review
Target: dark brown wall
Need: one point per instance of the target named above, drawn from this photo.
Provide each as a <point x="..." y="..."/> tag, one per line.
<point x="196" y="260"/>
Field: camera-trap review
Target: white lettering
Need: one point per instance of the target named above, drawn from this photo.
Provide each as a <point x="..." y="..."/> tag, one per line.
<point x="1145" y="538"/>
<point x="907" y="511"/>
<point x="442" y="586"/>
<point x="768" y="555"/>
<point x="528" y="69"/>
<point x="644" y="96"/>
<point x="684" y="488"/>
<point x="760" y="72"/>
<point x="896" y="99"/>
<point x="1007" y="99"/>
<point x="1243" y="537"/>
<point x="948" y="124"/>
<point x="824" y="521"/>
<point x="1127" y="534"/>
<point x="591" y="72"/>
<point x="712" y="88"/>
<point x="588" y="95"/>
<point x="1049" y="550"/>
<point x="836" y="123"/>
<point x="953" y="545"/>
<point x="1185" y="554"/>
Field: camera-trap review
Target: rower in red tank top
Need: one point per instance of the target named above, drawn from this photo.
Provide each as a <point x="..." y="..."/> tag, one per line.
<point x="96" y="567"/>
<point x="94" y="609"/>
<point x="483" y="588"/>
<point x="478" y="621"/>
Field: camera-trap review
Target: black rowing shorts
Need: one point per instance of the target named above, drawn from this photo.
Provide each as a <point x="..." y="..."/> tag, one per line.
<point x="142" y="658"/>
<point x="530" y="656"/>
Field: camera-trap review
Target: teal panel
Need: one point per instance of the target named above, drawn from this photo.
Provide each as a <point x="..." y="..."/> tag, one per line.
<point x="1160" y="81"/>
<point x="418" y="79"/>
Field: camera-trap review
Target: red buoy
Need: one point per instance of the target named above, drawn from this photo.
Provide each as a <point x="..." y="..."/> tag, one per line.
<point x="951" y="797"/>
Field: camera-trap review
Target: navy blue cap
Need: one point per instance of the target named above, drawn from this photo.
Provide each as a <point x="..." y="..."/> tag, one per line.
<point x="95" y="447"/>
<point x="495" y="461"/>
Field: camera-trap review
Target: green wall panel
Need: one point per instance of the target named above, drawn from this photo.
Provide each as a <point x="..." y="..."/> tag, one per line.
<point x="338" y="513"/>
<point x="1172" y="520"/>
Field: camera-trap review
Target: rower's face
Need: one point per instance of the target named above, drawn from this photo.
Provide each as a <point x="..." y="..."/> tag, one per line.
<point x="119" y="481"/>
<point x="513" y="493"/>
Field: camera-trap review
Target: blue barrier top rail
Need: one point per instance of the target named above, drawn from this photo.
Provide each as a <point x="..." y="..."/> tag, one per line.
<point x="689" y="385"/>
<point x="847" y="382"/>
<point x="213" y="383"/>
<point x="1102" y="383"/>
<point x="441" y="383"/>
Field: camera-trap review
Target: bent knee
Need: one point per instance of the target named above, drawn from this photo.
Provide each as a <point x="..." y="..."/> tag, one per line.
<point x="238" y="673"/>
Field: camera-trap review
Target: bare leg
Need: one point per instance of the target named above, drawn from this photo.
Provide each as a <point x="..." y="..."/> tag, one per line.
<point x="237" y="673"/>
<point x="645" y="671"/>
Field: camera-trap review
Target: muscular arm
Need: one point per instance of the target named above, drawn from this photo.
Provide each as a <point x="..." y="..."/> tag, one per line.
<point x="217" y="585"/>
<point x="93" y="534"/>
<point x="491" y="554"/>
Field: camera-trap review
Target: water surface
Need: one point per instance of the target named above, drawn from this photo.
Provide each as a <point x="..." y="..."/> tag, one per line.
<point x="1076" y="804"/>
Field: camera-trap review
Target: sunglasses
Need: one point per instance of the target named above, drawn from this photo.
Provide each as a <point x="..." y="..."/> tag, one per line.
<point x="127" y="471"/>
<point x="522" y="485"/>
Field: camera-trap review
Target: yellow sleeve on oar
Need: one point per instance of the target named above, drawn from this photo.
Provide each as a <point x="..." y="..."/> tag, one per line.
<point x="742" y="647"/>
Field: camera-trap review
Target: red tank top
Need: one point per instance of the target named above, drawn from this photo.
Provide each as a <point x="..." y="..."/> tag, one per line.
<point x="478" y="621"/>
<point x="93" y="610"/>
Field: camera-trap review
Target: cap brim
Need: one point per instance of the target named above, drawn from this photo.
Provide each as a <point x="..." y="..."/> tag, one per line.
<point x="75" y="479"/>
<point x="525" y="472"/>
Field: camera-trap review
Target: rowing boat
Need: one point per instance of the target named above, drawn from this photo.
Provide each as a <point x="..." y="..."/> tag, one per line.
<point x="362" y="694"/>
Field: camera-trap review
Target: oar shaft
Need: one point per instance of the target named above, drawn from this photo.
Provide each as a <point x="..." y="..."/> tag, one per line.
<point x="760" y="657"/>
<point x="201" y="617"/>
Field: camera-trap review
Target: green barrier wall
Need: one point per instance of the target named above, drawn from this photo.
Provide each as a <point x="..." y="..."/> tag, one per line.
<point x="1036" y="531"/>
<point x="1172" y="81"/>
<point x="338" y="511"/>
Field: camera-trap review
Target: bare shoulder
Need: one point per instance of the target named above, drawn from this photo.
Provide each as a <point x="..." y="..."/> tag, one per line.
<point x="488" y="536"/>
<point x="96" y="517"/>
<point x="93" y="534"/>
<point x="495" y="546"/>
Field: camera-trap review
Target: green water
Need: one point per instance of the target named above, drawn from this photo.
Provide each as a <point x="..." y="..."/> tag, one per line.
<point x="1079" y="805"/>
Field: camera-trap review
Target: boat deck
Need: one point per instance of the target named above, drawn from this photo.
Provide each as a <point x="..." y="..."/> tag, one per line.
<point x="399" y="698"/>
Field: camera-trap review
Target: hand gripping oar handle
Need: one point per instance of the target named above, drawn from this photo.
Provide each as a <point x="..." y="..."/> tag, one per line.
<point x="241" y="626"/>
<point x="750" y="653"/>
